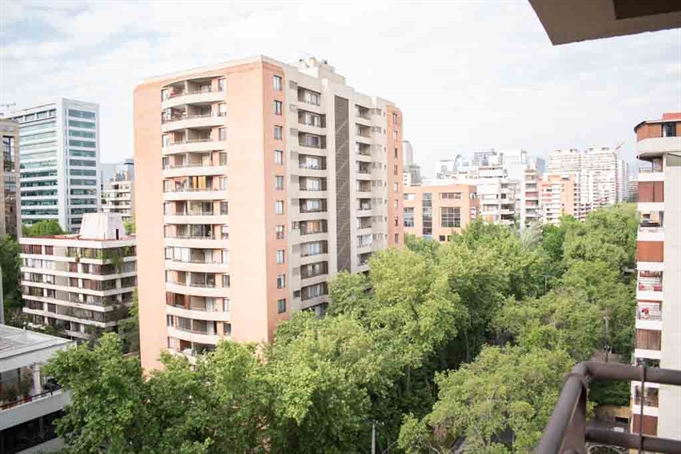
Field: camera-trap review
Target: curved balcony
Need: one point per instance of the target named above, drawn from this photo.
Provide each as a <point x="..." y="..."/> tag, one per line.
<point x="198" y="242"/>
<point x="194" y="145"/>
<point x="197" y="314"/>
<point x="195" y="194"/>
<point x="201" y="97"/>
<point x="192" y="121"/>
<point x="194" y="336"/>
<point x="197" y="290"/>
<point x="197" y="265"/>
<point x="194" y="170"/>
<point x="199" y="218"/>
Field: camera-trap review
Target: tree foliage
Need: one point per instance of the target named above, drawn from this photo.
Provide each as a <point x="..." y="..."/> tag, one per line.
<point x="10" y="263"/>
<point x="42" y="228"/>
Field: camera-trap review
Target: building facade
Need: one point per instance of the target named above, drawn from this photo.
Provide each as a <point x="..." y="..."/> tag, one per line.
<point x="118" y="192"/>
<point x="29" y="402"/>
<point x="9" y="179"/>
<point x="557" y="196"/>
<point x="658" y="336"/>
<point x="437" y="211"/>
<point x="81" y="283"/>
<point x="275" y="177"/>
<point x="59" y="155"/>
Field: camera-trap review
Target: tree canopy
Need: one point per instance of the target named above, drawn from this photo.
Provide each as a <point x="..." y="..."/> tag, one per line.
<point x="42" y="228"/>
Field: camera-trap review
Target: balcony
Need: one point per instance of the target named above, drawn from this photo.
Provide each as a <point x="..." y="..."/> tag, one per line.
<point x="204" y="266"/>
<point x="649" y="286"/>
<point x="198" y="313"/>
<point x="202" y="96"/>
<point x="199" y="336"/>
<point x="197" y="289"/>
<point x="197" y="241"/>
<point x="194" y="169"/>
<point x="194" y="145"/>
<point x="567" y="430"/>
<point x="194" y="194"/>
<point x="648" y="316"/>
<point x="33" y="407"/>
<point x="208" y="217"/>
<point x="202" y="121"/>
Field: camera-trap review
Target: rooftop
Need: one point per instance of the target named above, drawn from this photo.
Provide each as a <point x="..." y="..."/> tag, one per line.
<point x="19" y="347"/>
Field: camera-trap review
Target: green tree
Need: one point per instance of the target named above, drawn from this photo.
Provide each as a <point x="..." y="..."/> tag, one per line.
<point x="504" y="389"/>
<point x="129" y="327"/>
<point x="10" y="263"/>
<point x="130" y="227"/>
<point x="43" y="228"/>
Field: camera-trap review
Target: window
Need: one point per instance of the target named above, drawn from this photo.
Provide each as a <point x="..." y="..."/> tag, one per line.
<point x="450" y="195"/>
<point x="222" y="109"/>
<point x="409" y="217"/>
<point x="450" y="217"/>
<point x="279" y="207"/>
<point x="226" y="282"/>
<point x="281" y="281"/>
<point x="277" y="83"/>
<point x="81" y="114"/>
<point x="395" y="134"/>
<point x="395" y="119"/>
<point x="395" y="187"/>
<point x="395" y="169"/>
<point x="222" y="134"/>
<point x="442" y="238"/>
<point x="221" y="84"/>
<point x="311" y="98"/>
<point x="397" y="238"/>
<point x="280" y="257"/>
<point x="279" y="183"/>
<point x="224" y="207"/>
<point x="278" y="157"/>
<point x="396" y="154"/>
<point x="668" y="129"/>
<point x="280" y="232"/>
<point x="281" y="304"/>
<point x="278" y="132"/>
<point x="278" y="107"/>
<point x="409" y="196"/>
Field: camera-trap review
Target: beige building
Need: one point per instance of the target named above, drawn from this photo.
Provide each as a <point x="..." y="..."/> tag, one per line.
<point x="658" y="335"/>
<point x="81" y="283"/>
<point x="275" y="177"/>
<point x="437" y="211"/>
<point x="9" y="179"/>
<point x="117" y="196"/>
<point x="557" y="196"/>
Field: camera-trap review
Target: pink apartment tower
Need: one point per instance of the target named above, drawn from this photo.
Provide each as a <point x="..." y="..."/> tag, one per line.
<point x="257" y="182"/>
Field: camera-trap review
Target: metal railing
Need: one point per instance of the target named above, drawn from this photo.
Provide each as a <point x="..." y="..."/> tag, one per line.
<point x="566" y="431"/>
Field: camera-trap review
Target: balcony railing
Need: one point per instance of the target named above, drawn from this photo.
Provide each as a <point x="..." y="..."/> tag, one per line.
<point x="189" y="117"/>
<point x="192" y="92"/>
<point x="567" y="432"/>
<point x="645" y="313"/>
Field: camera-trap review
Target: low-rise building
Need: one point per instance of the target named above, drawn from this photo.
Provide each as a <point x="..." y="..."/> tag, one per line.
<point x="29" y="401"/>
<point x="437" y="211"/>
<point x="81" y="283"/>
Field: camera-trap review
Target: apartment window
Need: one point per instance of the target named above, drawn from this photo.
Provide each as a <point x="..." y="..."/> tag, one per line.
<point x="395" y="134"/>
<point x="395" y="155"/>
<point x="668" y="129"/>
<point x="224" y="207"/>
<point x="409" y="196"/>
<point x="222" y="109"/>
<point x="427" y="214"/>
<point x="397" y="238"/>
<point x="278" y="157"/>
<point x="450" y="217"/>
<point x="226" y="282"/>
<point x="396" y="204"/>
<point x="279" y="183"/>
<point x="409" y="217"/>
<point x="450" y="195"/>
<point x="280" y="232"/>
<point x="279" y="207"/>
<point x="395" y="187"/>
<point x="278" y="107"/>
<point x="221" y="84"/>
<point x="281" y="281"/>
<point x="222" y="134"/>
<point x="280" y="257"/>
<point x="281" y="304"/>
<point x="278" y="132"/>
<point x="394" y="118"/>
<point x="442" y="238"/>
<point x="277" y="83"/>
<point x="395" y="170"/>
<point x="311" y="98"/>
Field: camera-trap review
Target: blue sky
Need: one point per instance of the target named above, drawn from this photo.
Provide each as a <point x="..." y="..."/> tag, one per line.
<point x="468" y="75"/>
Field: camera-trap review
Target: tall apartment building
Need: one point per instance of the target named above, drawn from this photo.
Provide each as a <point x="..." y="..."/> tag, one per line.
<point x="633" y="189"/>
<point x="9" y="179"/>
<point x="59" y="155"/>
<point x="80" y="283"/>
<point x="275" y="178"/>
<point x="528" y="203"/>
<point x="408" y="151"/>
<point x="622" y="180"/>
<point x="557" y="195"/>
<point x="438" y="211"/>
<point x="118" y="192"/>
<point x="658" y="336"/>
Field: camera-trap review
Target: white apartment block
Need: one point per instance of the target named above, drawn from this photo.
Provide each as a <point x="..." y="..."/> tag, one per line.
<point x="118" y="191"/>
<point x="81" y="283"/>
<point x="59" y="155"/>
<point x="622" y="180"/>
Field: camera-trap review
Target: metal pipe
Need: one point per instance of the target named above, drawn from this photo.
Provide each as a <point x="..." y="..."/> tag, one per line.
<point x="625" y="440"/>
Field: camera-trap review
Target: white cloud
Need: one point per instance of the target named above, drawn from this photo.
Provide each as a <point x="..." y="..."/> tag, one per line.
<point x="467" y="75"/>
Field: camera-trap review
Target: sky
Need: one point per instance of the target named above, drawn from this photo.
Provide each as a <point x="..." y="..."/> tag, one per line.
<point x="468" y="75"/>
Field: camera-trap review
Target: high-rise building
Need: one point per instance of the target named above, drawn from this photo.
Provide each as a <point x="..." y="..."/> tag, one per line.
<point x="408" y="150"/>
<point x="59" y="155"/>
<point x="633" y="189"/>
<point x="439" y="210"/>
<point x="118" y="192"/>
<point x="622" y="180"/>
<point x="658" y="336"/>
<point x="528" y="198"/>
<point x="486" y="158"/>
<point x="445" y="169"/>
<point x="9" y="179"/>
<point x="81" y="283"/>
<point x="557" y="195"/>
<point x="275" y="177"/>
